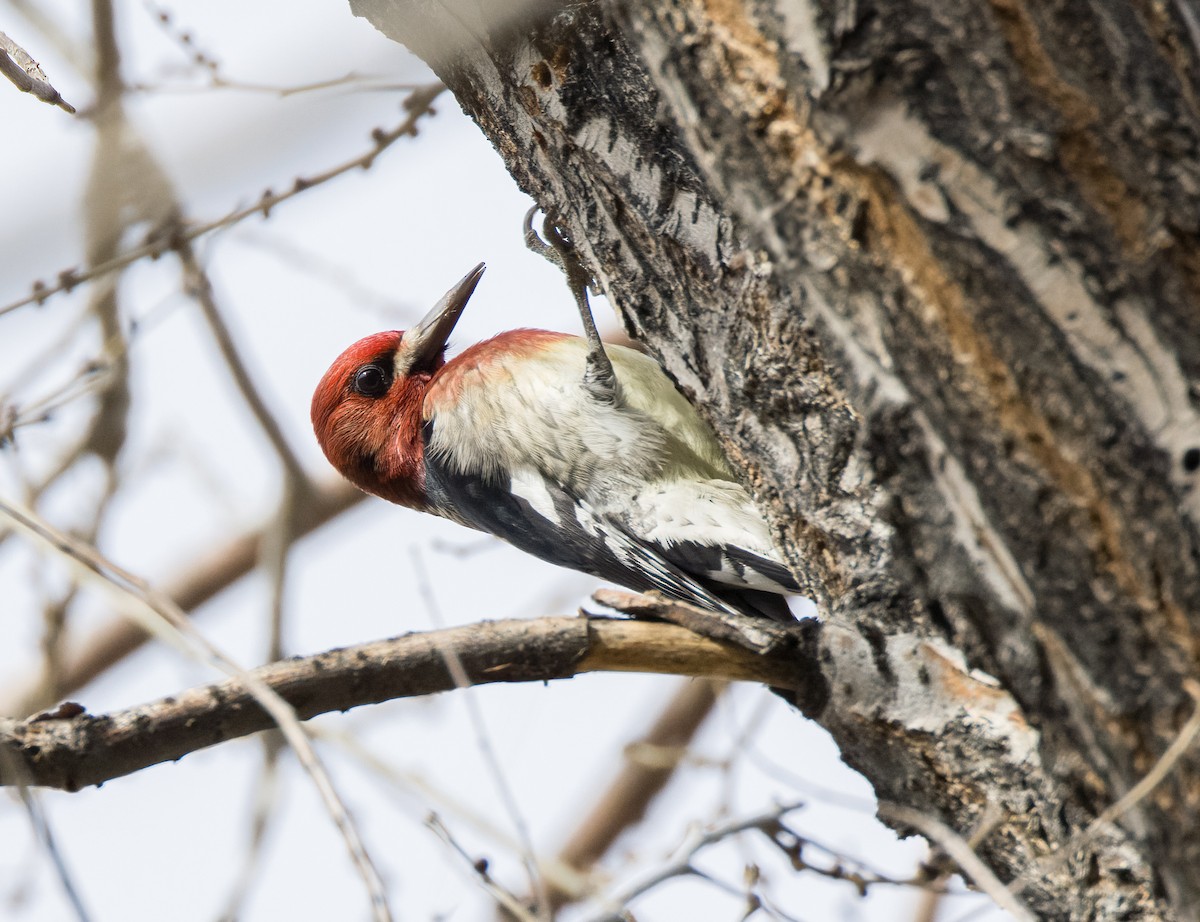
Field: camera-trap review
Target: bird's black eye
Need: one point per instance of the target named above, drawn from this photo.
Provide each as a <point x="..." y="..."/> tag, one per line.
<point x="372" y="380"/>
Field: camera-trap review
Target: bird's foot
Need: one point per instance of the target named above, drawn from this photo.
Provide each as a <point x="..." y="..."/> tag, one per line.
<point x="534" y="241"/>
<point x="754" y="634"/>
<point x="599" y="378"/>
<point x="555" y="244"/>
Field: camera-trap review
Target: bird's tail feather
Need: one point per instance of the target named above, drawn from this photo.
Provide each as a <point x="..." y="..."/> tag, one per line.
<point x="756" y="602"/>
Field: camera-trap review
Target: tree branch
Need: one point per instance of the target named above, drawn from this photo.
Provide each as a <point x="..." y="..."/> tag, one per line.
<point x="418" y="104"/>
<point x="112" y="642"/>
<point x="26" y="75"/>
<point x="70" y="751"/>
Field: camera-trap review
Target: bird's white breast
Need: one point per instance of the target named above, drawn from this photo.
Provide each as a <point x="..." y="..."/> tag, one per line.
<point x="530" y="409"/>
<point x="647" y="461"/>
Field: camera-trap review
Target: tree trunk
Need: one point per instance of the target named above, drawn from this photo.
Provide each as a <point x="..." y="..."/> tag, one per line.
<point x="931" y="271"/>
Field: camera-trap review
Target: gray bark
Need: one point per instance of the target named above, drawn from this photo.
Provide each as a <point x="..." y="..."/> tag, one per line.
<point x="931" y="271"/>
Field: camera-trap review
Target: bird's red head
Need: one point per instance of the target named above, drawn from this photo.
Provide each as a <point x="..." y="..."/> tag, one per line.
<point x="366" y="411"/>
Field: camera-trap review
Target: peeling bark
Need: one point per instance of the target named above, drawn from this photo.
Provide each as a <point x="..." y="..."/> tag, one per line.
<point x="931" y="271"/>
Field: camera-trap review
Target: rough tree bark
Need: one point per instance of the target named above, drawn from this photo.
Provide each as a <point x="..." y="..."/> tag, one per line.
<point x="931" y="271"/>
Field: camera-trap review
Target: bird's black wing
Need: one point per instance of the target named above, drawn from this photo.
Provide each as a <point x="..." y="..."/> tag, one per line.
<point x="731" y="566"/>
<point x="540" y="518"/>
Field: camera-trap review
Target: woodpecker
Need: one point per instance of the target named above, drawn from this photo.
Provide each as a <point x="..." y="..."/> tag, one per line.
<point x="580" y="453"/>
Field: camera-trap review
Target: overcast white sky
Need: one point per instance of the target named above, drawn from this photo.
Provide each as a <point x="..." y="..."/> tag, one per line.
<point x="370" y="251"/>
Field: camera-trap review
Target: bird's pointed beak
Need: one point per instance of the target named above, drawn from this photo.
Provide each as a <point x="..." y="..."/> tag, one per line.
<point x="423" y="345"/>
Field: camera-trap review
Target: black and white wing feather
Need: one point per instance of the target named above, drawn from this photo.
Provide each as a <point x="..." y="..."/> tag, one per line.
<point x="634" y="490"/>
<point x="540" y="518"/>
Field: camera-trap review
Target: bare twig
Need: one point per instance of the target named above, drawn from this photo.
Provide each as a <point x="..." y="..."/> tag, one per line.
<point x="77" y="54"/>
<point x="197" y="284"/>
<point x="207" y="62"/>
<point x="45" y="835"/>
<point x="275" y="555"/>
<point x="363" y="83"/>
<point x="430" y="797"/>
<point x="1161" y="769"/>
<point x="927" y="906"/>
<point x="313" y="262"/>
<point x="42" y="832"/>
<point x="1183" y="741"/>
<point x="265" y="801"/>
<point x="26" y="75"/>
<point x="86" y="750"/>
<point x="92" y="377"/>
<point x="959" y="851"/>
<point x="413" y="784"/>
<point x="685" y="865"/>
<point x="938" y="871"/>
<point x="479" y="867"/>
<point x="627" y="797"/>
<point x="106" y="218"/>
<point x="418" y="103"/>
<point x="159" y="614"/>
<point x="483" y="741"/>
<point x="295" y="485"/>
<point x="113" y="642"/>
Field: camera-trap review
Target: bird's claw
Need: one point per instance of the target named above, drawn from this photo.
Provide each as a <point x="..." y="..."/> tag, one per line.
<point x="534" y="241"/>
<point x="557" y="247"/>
<point x="554" y="244"/>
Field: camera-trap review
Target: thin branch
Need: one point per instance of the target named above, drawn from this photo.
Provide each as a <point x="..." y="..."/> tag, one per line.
<point x="86" y="749"/>
<point x="418" y="104"/>
<point x="160" y="615"/>
<point x="43" y="833"/>
<point x="107" y="74"/>
<point x="197" y="284"/>
<point x="41" y="826"/>
<point x="503" y="897"/>
<point x="483" y="741"/>
<point x="266" y="800"/>
<point x="625" y="801"/>
<point x="318" y="265"/>
<point x="276" y="550"/>
<point x="112" y="643"/>
<point x="1158" y="773"/>
<point x="685" y="866"/>
<point x="26" y="75"/>
<point x="1161" y="769"/>
<point x="79" y="55"/>
<point x="427" y="796"/>
<point x="208" y="64"/>
<point x="792" y="844"/>
<point x="350" y="81"/>
<point x="937" y="870"/>
<point x="416" y="786"/>
<point x="959" y="850"/>
<point x="276" y="553"/>
<point x="104" y="222"/>
<point x="928" y="906"/>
